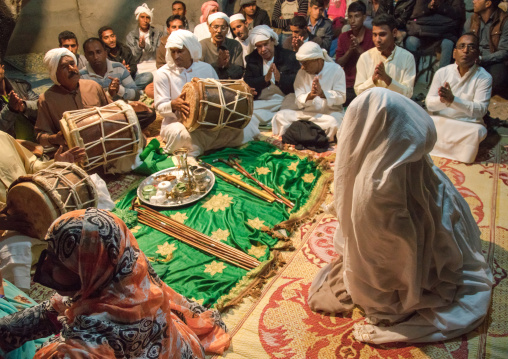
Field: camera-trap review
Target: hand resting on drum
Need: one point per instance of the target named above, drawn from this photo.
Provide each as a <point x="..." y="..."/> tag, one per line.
<point x="114" y="86"/>
<point x="11" y="221"/>
<point x="57" y="139"/>
<point x="138" y="106"/>
<point x="179" y="104"/>
<point x="75" y="154"/>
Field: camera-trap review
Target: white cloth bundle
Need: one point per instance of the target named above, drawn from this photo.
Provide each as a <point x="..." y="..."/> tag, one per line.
<point x="411" y="249"/>
<point x="52" y="59"/>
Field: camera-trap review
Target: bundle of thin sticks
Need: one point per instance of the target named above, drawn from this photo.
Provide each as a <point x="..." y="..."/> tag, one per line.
<point x="164" y="224"/>
<point x="234" y="164"/>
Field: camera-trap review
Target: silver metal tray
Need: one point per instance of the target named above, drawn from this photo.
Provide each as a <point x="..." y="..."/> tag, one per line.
<point x="209" y="179"/>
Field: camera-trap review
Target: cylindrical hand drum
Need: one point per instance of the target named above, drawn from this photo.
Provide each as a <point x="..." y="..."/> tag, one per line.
<point x="215" y="104"/>
<point x="44" y="196"/>
<point x="106" y="133"/>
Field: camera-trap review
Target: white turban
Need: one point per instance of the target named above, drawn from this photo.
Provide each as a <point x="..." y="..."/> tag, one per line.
<point x="236" y="17"/>
<point x="217" y="15"/>
<point x="179" y="39"/>
<point x="52" y="59"/>
<point x="143" y="9"/>
<point x="311" y="51"/>
<point x="262" y="33"/>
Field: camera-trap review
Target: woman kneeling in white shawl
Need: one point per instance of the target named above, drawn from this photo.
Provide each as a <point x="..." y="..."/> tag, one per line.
<point x="410" y="248"/>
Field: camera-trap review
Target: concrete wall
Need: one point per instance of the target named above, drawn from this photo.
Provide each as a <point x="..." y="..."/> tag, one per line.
<point x="41" y="21"/>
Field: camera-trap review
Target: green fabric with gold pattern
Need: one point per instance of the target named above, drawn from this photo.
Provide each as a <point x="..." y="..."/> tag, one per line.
<point x="226" y="214"/>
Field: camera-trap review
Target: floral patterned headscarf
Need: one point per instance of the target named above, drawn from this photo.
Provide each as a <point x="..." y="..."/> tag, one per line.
<point x="123" y="309"/>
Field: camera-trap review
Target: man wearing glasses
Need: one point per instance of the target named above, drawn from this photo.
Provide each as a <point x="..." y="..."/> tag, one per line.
<point x="458" y="99"/>
<point x="223" y="53"/>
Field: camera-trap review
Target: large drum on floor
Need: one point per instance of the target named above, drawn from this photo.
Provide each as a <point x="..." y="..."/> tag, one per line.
<point x="44" y="196"/>
<point x="215" y="104"/>
<point x="106" y="133"/>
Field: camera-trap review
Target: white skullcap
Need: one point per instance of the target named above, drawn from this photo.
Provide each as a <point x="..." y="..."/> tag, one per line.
<point x="217" y="15"/>
<point x="237" y="17"/>
<point x="179" y="39"/>
<point x="143" y="9"/>
<point x="52" y="59"/>
<point x="311" y="51"/>
<point x="262" y="33"/>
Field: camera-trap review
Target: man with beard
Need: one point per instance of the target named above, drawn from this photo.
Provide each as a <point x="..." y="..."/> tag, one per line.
<point x="320" y="90"/>
<point x="458" y="99"/>
<point x="121" y="53"/>
<point x="385" y="65"/>
<point x="225" y="55"/>
<point x="112" y="76"/>
<point x="241" y="32"/>
<point x="173" y="23"/>
<point x="184" y="54"/>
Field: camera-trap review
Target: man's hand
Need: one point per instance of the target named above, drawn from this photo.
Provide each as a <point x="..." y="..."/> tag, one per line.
<point x="316" y="90"/>
<point x="15" y="103"/>
<point x="445" y="94"/>
<point x="138" y="106"/>
<point x="276" y="73"/>
<point x="296" y="43"/>
<point x="57" y="139"/>
<point x="75" y="154"/>
<point x="114" y="86"/>
<point x="268" y="76"/>
<point x="223" y="59"/>
<point x="252" y="91"/>
<point x="14" y="222"/>
<point x="141" y="42"/>
<point x="354" y="43"/>
<point x="126" y="66"/>
<point x="380" y="74"/>
<point x="179" y="104"/>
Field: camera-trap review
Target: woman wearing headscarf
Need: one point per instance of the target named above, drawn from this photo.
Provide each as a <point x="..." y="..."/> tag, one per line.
<point x="110" y="302"/>
<point x="320" y="91"/>
<point x="410" y="250"/>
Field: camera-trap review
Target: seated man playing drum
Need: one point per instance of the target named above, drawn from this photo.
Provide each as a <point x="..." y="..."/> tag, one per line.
<point x="320" y="90"/>
<point x="71" y="93"/>
<point x="271" y="71"/>
<point x="183" y="64"/>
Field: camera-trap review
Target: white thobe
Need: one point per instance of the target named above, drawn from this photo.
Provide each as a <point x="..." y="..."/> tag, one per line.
<point x="168" y="85"/>
<point x="327" y="113"/>
<point x="400" y="66"/>
<point x="459" y="125"/>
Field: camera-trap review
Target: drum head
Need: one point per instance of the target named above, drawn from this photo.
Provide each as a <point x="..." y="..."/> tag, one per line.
<point x="192" y="91"/>
<point x="30" y="202"/>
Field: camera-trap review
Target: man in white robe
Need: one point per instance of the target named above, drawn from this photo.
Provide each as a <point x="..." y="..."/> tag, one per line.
<point x="386" y="64"/>
<point x="410" y="249"/>
<point x="182" y="56"/>
<point x="320" y="90"/>
<point x="271" y="71"/>
<point x="458" y="99"/>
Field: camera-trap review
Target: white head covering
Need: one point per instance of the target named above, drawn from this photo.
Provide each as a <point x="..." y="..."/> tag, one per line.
<point x="52" y="59"/>
<point x="217" y="15"/>
<point x="237" y="17"/>
<point x="143" y="9"/>
<point x="179" y="39"/>
<point x="262" y="33"/>
<point x="311" y="51"/>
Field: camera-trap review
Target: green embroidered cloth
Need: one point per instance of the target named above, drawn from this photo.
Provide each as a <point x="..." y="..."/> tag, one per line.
<point x="229" y="215"/>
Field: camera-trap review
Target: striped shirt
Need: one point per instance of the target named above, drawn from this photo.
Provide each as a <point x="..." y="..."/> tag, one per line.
<point x="127" y="90"/>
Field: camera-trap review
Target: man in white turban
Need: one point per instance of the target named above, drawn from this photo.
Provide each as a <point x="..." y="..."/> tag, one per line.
<point x="320" y="91"/>
<point x="183" y="64"/>
<point x="144" y="40"/>
<point x="241" y="32"/>
<point x="410" y="249"/>
<point x="271" y="71"/>
<point x="224" y="54"/>
<point x="67" y="94"/>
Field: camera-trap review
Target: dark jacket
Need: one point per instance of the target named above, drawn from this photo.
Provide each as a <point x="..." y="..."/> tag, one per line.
<point x="449" y="15"/>
<point x="323" y="33"/>
<point x="260" y="18"/>
<point x="25" y="92"/>
<point x="498" y="19"/>
<point x="124" y="54"/>
<point x="284" y="60"/>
